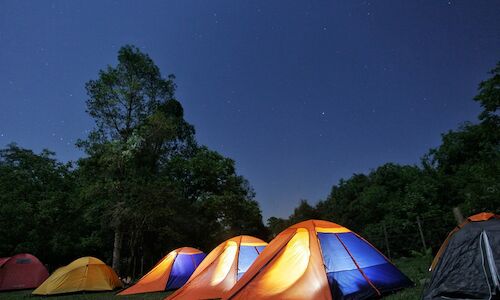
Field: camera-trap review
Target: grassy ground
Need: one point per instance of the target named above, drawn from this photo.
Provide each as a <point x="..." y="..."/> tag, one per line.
<point x="415" y="268"/>
<point x="85" y="296"/>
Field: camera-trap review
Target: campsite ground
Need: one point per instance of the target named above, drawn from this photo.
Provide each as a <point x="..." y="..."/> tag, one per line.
<point x="415" y="268"/>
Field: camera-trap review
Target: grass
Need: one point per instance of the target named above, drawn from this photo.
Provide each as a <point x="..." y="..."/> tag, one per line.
<point x="415" y="268"/>
<point x="26" y="294"/>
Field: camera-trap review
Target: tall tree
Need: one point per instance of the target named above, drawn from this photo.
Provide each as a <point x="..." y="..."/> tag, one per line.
<point x="137" y="123"/>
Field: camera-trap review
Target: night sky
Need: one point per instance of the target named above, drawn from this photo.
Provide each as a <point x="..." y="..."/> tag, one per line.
<point x="299" y="94"/>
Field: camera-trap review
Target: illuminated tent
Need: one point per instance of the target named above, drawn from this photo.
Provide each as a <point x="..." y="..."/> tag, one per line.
<point x="220" y="270"/>
<point x="83" y="274"/>
<point x="318" y="260"/>
<point x="21" y="271"/>
<point x="466" y="266"/>
<point x="170" y="273"/>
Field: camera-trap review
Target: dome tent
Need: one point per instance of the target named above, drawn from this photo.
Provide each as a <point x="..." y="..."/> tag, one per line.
<point x="318" y="260"/>
<point x="466" y="266"/>
<point x="21" y="271"/>
<point x="83" y="274"/>
<point x="170" y="273"/>
<point x="221" y="269"/>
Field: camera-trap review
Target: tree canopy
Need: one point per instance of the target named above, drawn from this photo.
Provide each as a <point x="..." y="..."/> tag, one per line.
<point x="145" y="186"/>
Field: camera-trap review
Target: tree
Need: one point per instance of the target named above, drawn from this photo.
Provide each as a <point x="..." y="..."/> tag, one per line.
<point x="138" y="122"/>
<point x="489" y="97"/>
<point x="36" y="204"/>
<point x="146" y="176"/>
<point x="221" y="202"/>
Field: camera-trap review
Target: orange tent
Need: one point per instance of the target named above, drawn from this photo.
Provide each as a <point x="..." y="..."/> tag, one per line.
<point x="220" y="270"/>
<point x="318" y="260"/>
<point x="484" y="216"/>
<point x="170" y="273"/>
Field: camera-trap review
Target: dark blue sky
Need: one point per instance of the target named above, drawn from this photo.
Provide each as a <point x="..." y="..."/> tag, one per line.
<point x="299" y="93"/>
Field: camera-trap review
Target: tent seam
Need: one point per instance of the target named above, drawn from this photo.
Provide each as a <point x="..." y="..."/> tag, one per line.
<point x="357" y="266"/>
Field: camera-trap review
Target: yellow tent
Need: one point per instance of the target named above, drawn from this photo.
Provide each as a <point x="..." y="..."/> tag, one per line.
<point x="83" y="274"/>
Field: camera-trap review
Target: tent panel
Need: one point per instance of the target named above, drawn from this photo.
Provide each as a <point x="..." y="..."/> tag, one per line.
<point x="21" y="271"/>
<point x="217" y="276"/>
<point x="364" y="254"/>
<point x="345" y="279"/>
<point x="293" y="267"/>
<point x="460" y="271"/>
<point x="335" y="257"/>
<point x="386" y="277"/>
<point x="245" y="288"/>
<point x="246" y="257"/>
<point x="349" y="284"/>
<point x="182" y="269"/>
<point x="154" y="280"/>
<point x="79" y="276"/>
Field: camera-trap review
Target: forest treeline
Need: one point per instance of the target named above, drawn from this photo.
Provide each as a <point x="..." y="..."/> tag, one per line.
<point x="145" y="186"/>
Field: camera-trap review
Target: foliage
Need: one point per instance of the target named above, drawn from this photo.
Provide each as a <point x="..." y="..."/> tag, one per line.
<point x="143" y="188"/>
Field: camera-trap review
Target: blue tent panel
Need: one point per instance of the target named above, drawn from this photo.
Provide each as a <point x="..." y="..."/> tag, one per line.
<point x="247" y="256"/>
<point x="343" y="253"/>
<point x="183" y="267"/>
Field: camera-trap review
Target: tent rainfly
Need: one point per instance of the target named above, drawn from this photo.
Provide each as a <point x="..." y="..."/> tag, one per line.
<point x="170" y="273"/>
<point x="21" y="271"/>
<point x="83" y="274"/>
<point x="318" y="260"/>
<point x="221" y="269"/>
<point x="466" y="266"/>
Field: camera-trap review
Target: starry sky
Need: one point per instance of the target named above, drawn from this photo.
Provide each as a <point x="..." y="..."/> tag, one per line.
<point x="298" y="93"/>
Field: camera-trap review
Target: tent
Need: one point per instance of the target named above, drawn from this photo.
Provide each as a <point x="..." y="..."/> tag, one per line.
<point x="318" y="260"/>
<point x="466" y="266"/>
<point x="21" y="271"/>
<point x="221" y="269"/>
<point x="170" y="273"/>
<point x="84" y="274"/>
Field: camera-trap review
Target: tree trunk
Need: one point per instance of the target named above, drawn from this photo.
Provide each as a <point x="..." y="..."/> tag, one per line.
<point x="117" y="247"/>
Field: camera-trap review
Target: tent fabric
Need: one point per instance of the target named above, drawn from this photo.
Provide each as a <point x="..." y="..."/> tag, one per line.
<point x="317" y="259"/>
<point x="170" y="273"/>
<point x="468" y="262"/>
<point x="83" y="274"/>
<point x="221" y="269"/>
<point x="480" y="217"/>
<point x="21" y="271"/>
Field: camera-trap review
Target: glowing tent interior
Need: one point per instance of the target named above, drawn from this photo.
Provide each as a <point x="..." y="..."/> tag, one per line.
<point x="170" y="273"/>
<point x="21" y="271"/>
<point x="318" y="260"/>
<point x="83" y="274"/>
<point x="221" y="269"/>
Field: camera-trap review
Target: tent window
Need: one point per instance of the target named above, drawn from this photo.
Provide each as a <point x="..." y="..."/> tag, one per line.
<point x="23" y="261"/>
